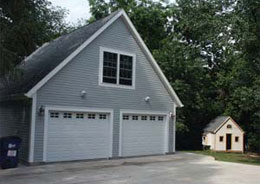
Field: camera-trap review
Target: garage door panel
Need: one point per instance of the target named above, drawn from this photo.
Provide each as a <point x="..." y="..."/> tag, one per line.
<point x="143" y="136"/>
<point x="78" y="139"/>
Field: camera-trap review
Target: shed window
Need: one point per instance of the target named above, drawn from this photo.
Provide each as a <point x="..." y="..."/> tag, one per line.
<point x="221" y="139"/>
<point x="229" y="126"/>
<point x="236" y="139"/>
<point x="118" y="68"/>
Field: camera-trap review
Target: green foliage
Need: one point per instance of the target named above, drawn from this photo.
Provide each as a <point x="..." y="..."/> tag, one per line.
<point x="26" y="25"/>
<point x="209" y="51"/>
<point x="149" y="17"/>
<point x="232" y="157"/>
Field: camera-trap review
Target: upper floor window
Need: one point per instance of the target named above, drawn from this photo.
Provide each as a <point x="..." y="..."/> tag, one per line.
<point x="117" y="69"/>
<point x="229" y="126"/>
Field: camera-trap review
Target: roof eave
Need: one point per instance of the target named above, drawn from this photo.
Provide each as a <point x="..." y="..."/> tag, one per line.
<point x="156" y="67"/>
<point x="162" y="77"/>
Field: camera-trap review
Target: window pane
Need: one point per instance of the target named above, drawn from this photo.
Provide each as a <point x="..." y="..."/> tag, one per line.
<point x="109" y="67"/>
<point x="126" y="68"/>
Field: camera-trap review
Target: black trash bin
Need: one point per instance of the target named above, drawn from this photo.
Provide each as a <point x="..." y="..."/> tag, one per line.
<point x="9" y="151"/>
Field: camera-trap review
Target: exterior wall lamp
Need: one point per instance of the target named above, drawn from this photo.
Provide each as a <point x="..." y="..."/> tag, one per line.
<point x="83" y="94"/>
<point x="41" y="110"/>
<point x="147" y="99"/>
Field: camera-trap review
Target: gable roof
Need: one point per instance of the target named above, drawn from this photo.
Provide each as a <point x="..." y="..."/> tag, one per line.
<point x="218" y="123"/>
<point x="215" y="123"/>
<point x="49" y="59"/>
<point x="46" y="58"/>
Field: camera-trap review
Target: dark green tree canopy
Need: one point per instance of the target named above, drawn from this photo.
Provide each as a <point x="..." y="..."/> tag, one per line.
<point x="26" y="25"/>
<point x="209" y="51"/>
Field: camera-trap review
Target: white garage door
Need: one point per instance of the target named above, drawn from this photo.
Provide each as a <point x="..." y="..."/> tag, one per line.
<point x="78" y="136"/>
<point x="143" y="134"/>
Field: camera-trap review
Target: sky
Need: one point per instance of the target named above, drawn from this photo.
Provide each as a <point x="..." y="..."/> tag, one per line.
<point x="78" y="9"/>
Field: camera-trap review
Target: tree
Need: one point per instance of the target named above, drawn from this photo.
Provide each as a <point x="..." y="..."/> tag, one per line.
<point x="26" y="25"/>
<point x="149" y="17"/>
<point x="209" y="51"/>
<point x="244" y="102"/>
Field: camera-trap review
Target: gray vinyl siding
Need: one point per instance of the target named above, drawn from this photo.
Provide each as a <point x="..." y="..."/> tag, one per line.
<point x="82" y="73"/>
<point x="15" y="121"/>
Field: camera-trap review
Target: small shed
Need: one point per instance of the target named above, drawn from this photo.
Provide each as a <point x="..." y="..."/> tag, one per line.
<point x="223" y="134"/>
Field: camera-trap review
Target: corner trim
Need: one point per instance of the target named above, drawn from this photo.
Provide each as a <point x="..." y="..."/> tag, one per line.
<point x="174" y="128"/>
<point x="32" y="130"/>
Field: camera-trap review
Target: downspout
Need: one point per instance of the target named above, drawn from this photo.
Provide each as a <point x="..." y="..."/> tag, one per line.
<point x="32" y="130"/>
<point x="174" y="128"/>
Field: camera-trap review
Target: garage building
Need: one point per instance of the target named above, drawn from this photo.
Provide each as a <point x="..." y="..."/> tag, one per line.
<point x="94" y="93"/>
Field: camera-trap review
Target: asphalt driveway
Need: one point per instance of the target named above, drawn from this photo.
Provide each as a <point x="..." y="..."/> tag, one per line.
<point x="180" y="168"/>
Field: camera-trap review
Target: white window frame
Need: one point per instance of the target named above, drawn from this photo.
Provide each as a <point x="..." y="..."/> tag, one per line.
<point x="118" y="52"/>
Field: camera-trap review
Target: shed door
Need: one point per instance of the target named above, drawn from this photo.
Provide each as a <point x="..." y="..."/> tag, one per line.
<point x="143" y="134"/>
<point x="228" y="141"/>
<point x="78" y="136"/>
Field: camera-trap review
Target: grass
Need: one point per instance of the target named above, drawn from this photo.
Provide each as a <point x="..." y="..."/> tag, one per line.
<point x="246" y="158"/>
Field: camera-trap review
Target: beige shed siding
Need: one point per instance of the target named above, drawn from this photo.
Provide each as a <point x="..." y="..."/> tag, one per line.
<point x="235" y="131"/>
<point x="209" y="140"/>
<point x="82" y="74"/>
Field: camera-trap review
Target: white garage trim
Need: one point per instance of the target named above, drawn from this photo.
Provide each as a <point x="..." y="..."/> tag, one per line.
<point x="74" y="109"/>
<point x="32" y="129"/>
<point x="166" y="146"/>
<point x="174" y="128"/>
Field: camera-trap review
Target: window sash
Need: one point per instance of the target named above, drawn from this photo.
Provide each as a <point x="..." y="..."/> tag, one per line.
<point x="119" y="68"/>
<point x="110" y="67"/>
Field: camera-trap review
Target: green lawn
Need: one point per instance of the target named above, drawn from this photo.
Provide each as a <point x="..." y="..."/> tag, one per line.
<point x="232" y="157"/>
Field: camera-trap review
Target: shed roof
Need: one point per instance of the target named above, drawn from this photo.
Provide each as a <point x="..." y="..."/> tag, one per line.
<point x="215" y="123"/>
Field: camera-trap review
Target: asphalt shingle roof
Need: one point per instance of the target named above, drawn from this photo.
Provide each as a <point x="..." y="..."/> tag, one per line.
<point x="41" y="62"/>
<point x="215" y="123"/>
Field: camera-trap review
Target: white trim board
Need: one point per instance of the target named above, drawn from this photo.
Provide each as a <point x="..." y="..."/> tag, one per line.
<point x="224" y="122"/>
<point x="124" y="111"/>
<point x="87" y="42"/>
<point x="71" y="56"/>
<point x="32" y="128"/>
<point x="74" y="109"/>
<point x="118" y="52"/>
